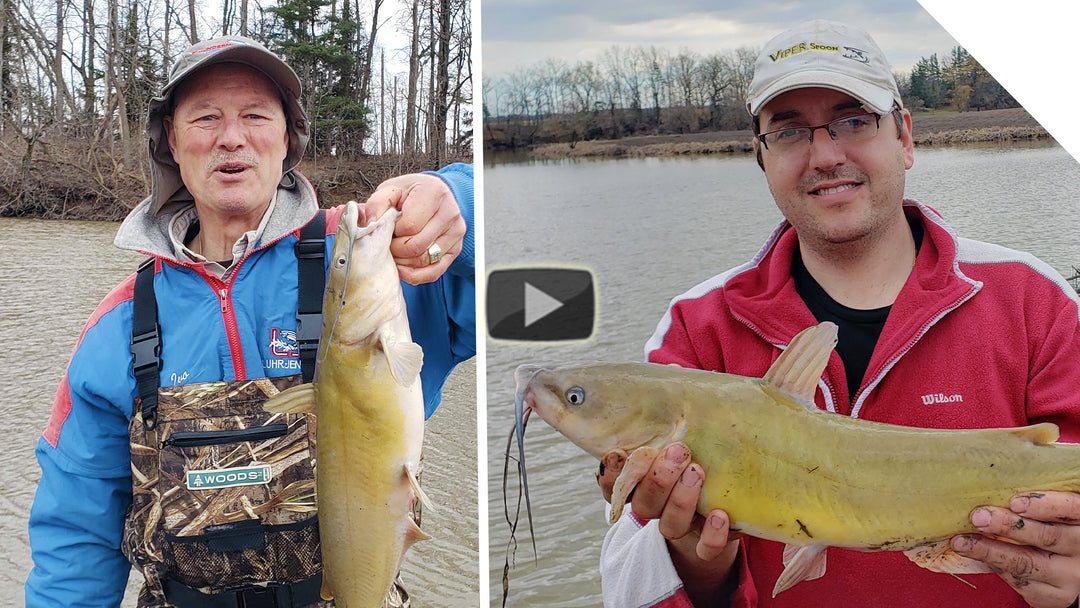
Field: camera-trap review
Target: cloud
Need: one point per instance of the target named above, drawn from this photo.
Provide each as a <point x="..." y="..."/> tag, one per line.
<point x="517" y="35"/>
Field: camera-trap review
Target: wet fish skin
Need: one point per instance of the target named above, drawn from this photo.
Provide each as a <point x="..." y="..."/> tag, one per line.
<point x="786" y="471"/>
<point x="370" y="416"/>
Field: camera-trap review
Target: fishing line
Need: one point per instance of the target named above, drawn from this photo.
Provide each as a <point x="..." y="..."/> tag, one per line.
<point x="324" y="344"/>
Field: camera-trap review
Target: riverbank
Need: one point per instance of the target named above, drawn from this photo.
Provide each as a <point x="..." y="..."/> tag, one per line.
<point x="61" y="182"/>
<point x="929" y="129"/>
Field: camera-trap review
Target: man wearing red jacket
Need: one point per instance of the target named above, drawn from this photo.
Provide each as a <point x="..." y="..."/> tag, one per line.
<point x="935" y="331"/>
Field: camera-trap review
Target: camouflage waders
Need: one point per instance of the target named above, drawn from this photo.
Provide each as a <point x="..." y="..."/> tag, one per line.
<point x="224" y="500"/>
<point x="223" y="511"/>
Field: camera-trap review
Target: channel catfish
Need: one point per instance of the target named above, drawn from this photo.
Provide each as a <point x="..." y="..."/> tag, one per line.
<point x="370" y="416"/>
<point x="787" y="471"/>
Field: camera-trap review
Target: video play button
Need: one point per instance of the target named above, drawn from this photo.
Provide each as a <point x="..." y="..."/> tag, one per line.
<point x="540" y="304"/>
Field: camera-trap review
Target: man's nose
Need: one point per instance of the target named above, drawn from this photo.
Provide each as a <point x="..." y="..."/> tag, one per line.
<point x="825" y="152"/>
<point x="233" y="134"/>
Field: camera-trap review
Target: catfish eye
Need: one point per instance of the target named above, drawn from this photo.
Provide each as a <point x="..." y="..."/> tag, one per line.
<point x="575" y="395"/>
<point x="341" y="260"/>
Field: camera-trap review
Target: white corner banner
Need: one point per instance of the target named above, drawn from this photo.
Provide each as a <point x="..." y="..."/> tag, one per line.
<point x="1029" y="47"/>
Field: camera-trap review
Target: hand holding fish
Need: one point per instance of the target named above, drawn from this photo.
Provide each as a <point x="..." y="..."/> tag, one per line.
<point x="771" y="487"/>
<point x="429" y="234"/>
<point x="702" y="549"/>
<point x="1044" y="565"/>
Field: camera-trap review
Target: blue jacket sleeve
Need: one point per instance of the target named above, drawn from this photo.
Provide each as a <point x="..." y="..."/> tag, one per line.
<point x="442" y="314"/>
<point x="76" y="523"/>
<point x="77" y="518"/>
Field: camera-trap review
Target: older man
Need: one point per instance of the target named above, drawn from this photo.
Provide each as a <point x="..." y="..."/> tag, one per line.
<point x="170" y="372"/>
<point x="920" y="311"/>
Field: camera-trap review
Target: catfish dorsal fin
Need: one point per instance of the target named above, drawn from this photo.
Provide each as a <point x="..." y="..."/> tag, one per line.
<point x="800" y="366"/>
<point x="1043" y="433"/>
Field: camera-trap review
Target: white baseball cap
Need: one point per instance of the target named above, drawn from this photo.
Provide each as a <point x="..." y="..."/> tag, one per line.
<point x="824" y="54"/>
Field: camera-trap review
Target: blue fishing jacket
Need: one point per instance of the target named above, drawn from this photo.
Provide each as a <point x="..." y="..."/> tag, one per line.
<point x="211" y="330"/>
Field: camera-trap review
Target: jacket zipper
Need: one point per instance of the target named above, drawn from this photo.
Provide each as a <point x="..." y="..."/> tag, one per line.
<point x="190" y="439"/>
<point x="232" y="330"/>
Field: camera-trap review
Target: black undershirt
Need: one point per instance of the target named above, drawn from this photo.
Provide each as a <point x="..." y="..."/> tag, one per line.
<point x="192" y="232"/>
<point x="858" y="330"/>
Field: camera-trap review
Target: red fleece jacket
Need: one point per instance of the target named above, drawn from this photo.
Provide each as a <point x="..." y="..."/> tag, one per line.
<point x="980" y="336"/>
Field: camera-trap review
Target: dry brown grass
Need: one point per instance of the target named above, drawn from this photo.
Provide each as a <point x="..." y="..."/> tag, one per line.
<point x="63" y="181"/>
<point x="940" y="128"/>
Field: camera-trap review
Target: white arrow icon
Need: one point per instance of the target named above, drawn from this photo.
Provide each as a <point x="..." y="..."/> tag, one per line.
<point x="538" y="304"/>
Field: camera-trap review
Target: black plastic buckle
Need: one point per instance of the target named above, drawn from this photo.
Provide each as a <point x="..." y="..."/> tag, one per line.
<point x="273" y="595"/>
<point x="146" y="363"/>
<point x="308" y="327"/>
<point x="310" y="248"/>
<point x="146" y="350"/>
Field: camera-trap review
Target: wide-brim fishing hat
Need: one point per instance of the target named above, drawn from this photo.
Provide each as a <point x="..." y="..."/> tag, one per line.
<point x="824" y="54"/>
<point x="165" y="181"/>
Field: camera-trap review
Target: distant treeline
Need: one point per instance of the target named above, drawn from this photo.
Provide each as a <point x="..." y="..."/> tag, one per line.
<point x="75" y="79"/>
<point x="639" y="90"/>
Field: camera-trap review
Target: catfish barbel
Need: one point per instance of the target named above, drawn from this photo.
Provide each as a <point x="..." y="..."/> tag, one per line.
<point x="787" y="471"/>
<point x="369" y="416"/>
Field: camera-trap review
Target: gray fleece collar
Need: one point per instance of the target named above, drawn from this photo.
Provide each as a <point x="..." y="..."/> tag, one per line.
<point x="147" y="233"/>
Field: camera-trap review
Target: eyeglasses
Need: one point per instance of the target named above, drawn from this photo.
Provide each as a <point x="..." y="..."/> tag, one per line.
<point x="843" y="130"/>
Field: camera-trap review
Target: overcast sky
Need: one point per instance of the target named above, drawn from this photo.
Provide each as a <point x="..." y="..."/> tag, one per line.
<point x="521" y="33"/>
<point x="1026" y="45"/>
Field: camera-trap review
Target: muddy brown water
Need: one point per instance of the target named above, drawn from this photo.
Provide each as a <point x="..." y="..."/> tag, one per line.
<point x="52" y="275"/>
<point x="651" y="229"/>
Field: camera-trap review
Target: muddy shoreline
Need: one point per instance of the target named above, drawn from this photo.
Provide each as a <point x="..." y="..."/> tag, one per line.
<point x="930" y="129"/>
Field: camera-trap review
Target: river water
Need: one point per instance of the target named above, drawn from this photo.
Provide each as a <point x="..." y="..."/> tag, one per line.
<point x="650" y="229"/>
<point x="52" y="275"/>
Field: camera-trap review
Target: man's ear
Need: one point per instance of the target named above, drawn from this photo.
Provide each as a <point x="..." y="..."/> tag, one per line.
<point x="907" y="139"/>
<point x="170" y="133"/>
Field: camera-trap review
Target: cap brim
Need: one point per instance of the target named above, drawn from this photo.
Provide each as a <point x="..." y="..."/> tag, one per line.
<point x="875" y="98"/>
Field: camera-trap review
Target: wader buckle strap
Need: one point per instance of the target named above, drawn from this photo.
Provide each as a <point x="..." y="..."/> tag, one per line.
<point x="311" y="282"/>
<point x="273" y="595"/>
<point x="146" y="342"/>
<point x="146" y="333"/>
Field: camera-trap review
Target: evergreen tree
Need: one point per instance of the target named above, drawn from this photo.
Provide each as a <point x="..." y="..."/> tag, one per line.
<point x="323" y="51"/>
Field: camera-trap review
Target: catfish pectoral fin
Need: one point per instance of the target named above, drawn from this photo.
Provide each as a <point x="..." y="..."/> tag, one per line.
<point x="405" y="359"/>
<point x="324" y="591"/>
<point x="637" y="465"/>
<point x="802" y="563"/>
<point x="296" y="400"/>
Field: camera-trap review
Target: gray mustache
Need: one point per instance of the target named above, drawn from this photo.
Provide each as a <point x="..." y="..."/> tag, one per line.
<point x="219" y="158"/>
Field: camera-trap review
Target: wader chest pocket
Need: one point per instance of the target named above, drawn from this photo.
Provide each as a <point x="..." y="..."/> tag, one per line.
<point x="223" y="491"/>
<point x="195" y="439"/>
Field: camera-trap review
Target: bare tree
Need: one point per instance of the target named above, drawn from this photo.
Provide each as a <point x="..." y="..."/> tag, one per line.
<point x="369" y="49"/>
<point x="440" y="103"/>
<point x="408" y="143"/>
<point x="193" y="33"/>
